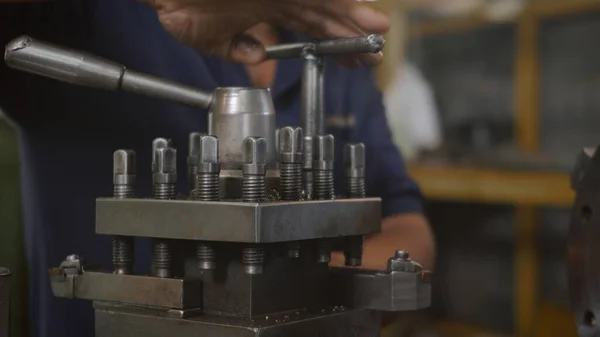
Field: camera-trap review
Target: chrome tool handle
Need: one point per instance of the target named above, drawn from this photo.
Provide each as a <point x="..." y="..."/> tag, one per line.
<point x="80" y="68"/>
<point x="373" y="43"/>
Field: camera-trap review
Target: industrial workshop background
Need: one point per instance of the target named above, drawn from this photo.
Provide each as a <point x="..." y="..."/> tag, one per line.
<point x="502" y="93"/>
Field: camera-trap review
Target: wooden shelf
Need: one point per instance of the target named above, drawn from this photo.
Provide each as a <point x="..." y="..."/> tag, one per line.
<point x="476" y="20"/>
<point x="483" y="185"/>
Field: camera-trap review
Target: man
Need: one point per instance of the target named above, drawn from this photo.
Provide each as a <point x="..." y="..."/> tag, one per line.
<point x="68" y="133"/>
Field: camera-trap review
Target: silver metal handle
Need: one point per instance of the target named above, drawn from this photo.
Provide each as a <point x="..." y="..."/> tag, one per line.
<point x="80" y="68"/>
<point x="373" y="43"/>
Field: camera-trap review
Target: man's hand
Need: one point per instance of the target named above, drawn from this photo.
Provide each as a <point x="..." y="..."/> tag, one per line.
<point x="216" y="26"/>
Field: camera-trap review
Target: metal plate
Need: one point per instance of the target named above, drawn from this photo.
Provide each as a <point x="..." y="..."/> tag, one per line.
<point x="359" y="323"/>
<point x="237" y="221"/>
<point x="584" y="250"/>
<point x="130" y="289"/>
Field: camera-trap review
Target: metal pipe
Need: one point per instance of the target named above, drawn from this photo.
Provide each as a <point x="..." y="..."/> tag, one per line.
<point x="80" y="68"/>
<point x="373" y="43"/>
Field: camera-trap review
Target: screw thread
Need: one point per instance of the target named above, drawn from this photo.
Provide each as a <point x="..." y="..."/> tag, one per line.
<point x="123" y="191"/>
<point x="192" y="172"/>
<point x="355" y="187"/>
<point x="323" y="251"/>
<point x="353" y="250"/>
<point x="164" y="191"/>
<point x="253" y="188"/>
<point x="122" y="254"/>
<point x="291" y="181"/>
<point x="162" y="258"/>
<point x="323" y="185"/>
<point x="293" y="250"/>
<point x="207" y="255"/>
<point x="207" y="187"/>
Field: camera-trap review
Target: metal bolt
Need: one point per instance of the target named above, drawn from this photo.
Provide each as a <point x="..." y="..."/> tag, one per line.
<point x="290" y="162"/>
<point x="323" y="167"/>
<point x="293" y="250"/>
<point x="582" y="162"/>
<point x="192" y="159"/>
<point x="253" y="257"/>
<point x="323" y="251"/>
<point x="124" y="174"/>
<point x="158" y="143"/>
<point x="207" y="183"/>
<point x="72" y="258"/>
<point x="164" y="176"/>
<point x="354" y="165"/>
<point x="402" y="255"/>
<point x="254" y="150"/>
<point x="206" y="255"/>
<point x="353" y="250"/>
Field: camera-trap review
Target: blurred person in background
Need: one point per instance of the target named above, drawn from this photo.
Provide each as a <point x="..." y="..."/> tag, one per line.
<point x="68" y="133"/>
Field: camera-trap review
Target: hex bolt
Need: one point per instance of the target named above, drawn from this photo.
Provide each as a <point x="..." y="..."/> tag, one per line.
<point x="207" y="183"/>
<point x="323" y="251"/>
<point x="164" y="177"/>
<point x="253" y="258"/>
<point x="290" y="162"/>
<point x="354" y="165"/>
<point x="254" y="151"/>
<point x="124" y="174"/>
<point x="353" y="250"/>
<point x="192" y="159"/>
<point x="323" y="167"/>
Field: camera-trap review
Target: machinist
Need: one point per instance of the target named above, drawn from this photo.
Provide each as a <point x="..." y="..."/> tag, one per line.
<point x="68" y="133"/>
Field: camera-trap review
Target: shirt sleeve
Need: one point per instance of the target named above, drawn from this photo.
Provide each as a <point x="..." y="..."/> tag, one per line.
<point x="386" y="172"/>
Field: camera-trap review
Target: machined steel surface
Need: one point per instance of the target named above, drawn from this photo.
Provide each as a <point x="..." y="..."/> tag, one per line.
<point x="583" y="244"/>
<point x="237" y="113"/>
<point x="80" y="68"/>
<point x="338" y="323"/>
<point x="130" y="289"/>
<point x="237" y="221"/>
<point x="373" y="43"/>
<point x="4" y="302"/>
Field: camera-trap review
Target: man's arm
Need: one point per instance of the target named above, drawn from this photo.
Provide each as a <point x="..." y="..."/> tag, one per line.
<point x="404" y="226"/>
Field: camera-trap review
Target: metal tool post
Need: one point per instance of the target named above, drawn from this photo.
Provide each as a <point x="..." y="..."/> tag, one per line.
<point x="251" y="264"/>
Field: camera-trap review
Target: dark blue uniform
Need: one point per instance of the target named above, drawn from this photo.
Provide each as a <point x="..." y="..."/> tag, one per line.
<point x="69" y="133"/>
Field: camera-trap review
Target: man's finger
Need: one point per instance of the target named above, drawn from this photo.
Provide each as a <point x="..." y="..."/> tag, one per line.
<point x="245" y="49"/>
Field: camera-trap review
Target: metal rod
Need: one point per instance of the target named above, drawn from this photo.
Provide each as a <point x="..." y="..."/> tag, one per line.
<point x="308" y="112"/>
<point x="80" y="68"/>
<point x="373" y="43"/>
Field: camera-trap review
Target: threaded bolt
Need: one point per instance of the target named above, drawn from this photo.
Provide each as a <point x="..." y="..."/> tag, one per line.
<point x="124" y="174"/>
<point x="323" y="251"/>
<point x="164" y="176"/>
<point x="293" y="250"/>
<point x="353" y="250"/>
<point x="354" y="165"/>
<point x="254" y="150"/>
<point x="323" y="167"/>
<point x="192" y="159"/>
<point x="207" y="183"/>
<point x="291" y="141"/>
<point x="253" y="257"/>
<point x="206" y="255"/>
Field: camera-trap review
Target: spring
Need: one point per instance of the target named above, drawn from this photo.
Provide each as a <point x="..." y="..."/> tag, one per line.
<point x="122" y="254"/>
<point x="164" y="191"/>
<point x="253" y="255"/>
<point x="207" y="187"/>
<point x="253" y="188"/>
<point x="291" y="181"/>
<point x="355" y="187"/>
<point x="323" y="185"/>
<point x="162" y="258"/>
<point x="123" y="191"/>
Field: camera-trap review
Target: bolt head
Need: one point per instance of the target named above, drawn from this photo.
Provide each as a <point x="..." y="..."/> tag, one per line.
<point x="209" y="150"/>
<point x="323" y="148"/>
<point x="254" y="151"/>
<point x="124" y="162"/>
<point x="166" y="160"/>
<point x="291" y="144"/>
<point x="354" y="156"/>
<point x="158" y="143"/>
<point x="582" y="162"/>
<point x="194" y="144"/>
<point x="401" y="254"/>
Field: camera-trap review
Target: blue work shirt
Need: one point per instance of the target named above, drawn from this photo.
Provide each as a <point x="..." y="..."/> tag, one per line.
<point x="69" y="133"/>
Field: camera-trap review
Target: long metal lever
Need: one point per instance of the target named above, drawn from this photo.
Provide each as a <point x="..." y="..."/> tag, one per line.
<point x="80" y="68"/>
<point x="373" y="43"/>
